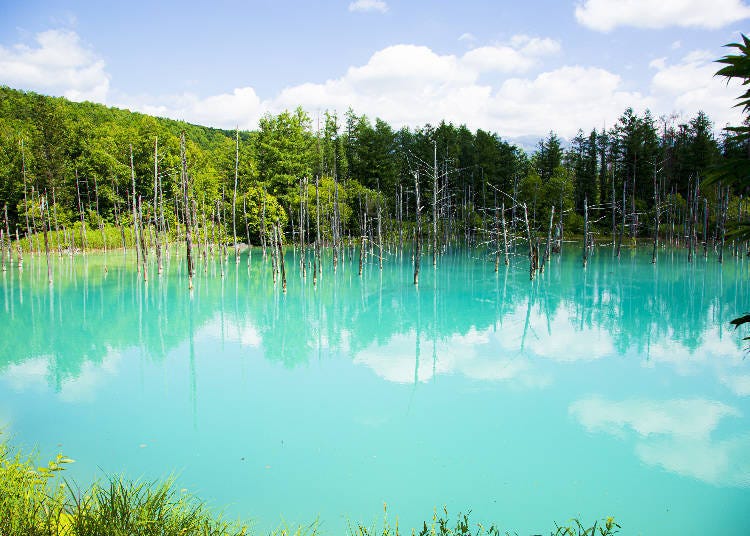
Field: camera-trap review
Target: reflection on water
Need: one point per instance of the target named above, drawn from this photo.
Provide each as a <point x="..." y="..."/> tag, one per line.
<point x="675" y="435"/>
<point x="467" y="319"/>
<point x="638" y="355"/>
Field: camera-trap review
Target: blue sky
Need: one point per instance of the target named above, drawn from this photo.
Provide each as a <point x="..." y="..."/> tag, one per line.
<point x="517" y="68"/>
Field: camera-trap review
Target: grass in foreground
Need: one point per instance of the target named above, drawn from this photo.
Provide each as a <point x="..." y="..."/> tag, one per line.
<point x="35" y="501"/>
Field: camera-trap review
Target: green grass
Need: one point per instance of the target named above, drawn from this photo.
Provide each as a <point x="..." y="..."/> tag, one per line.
<point x="74" y="238"/>
<point x="37" y="501"/>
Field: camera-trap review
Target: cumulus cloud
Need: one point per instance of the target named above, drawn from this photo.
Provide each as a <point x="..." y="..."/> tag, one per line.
<point x="506" y="59"/>
<point x="490" y="87"/>
<point x="468" y="37"/>
<point x="369" y="5"/>
<point x="605" y="15"/>
<point x="690" y="85"/>
<point x="487" y="87"/>
<point x="242" y="107"/>
<point x="58" y="63"/>
<point x="562" y="100"/>
<point x="410" y="85"/>
<point x="502" y="87"/>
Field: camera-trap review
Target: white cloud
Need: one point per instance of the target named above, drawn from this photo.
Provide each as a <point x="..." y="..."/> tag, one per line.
<point x="411" y="85"/>
<point x="535" y="46"/>
<point x="58" y="64"/>
<point x="408" y="64"/>
<point x="689" y="85"/>
<point x="242" y="107"/>
<point x="605" y="15"/>
<point x="403" y="84"/>
<point x="502" y="87"/>
<point x="468" y="37"/>
<point x="500" y="59"/>
<point x="562" y="100"/>
<point x="369" y="5"/>
<point x="658" y="63"/>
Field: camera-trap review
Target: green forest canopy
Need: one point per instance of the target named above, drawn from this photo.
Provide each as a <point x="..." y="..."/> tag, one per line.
<point x="82" y="150"/>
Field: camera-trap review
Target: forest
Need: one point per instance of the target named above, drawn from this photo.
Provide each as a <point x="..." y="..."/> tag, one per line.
<point x="76" y="168"/>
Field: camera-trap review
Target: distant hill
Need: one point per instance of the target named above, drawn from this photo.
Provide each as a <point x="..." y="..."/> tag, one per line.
<point x="530" y="142"/>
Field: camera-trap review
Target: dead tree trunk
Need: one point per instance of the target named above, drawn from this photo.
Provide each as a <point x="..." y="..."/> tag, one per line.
<point x="614" y="206"/>
<point x="336" y="226"/>
<point x="497" y="236"/>
<point x="434" y="206"/>
<point x="705" y="228"/>
<point x="380" y="238"/>
<point x="34" y="238"/>
<point x="505" y="235"/>
<point x="302" y="190"/>
<point x="274" y="255"/>
<point x="317" y="231"/>
<point x="138" y="252"/>
<point x="144" y="254"/>
<point x="263" y="229"/>
<point x="363" y="230"/>
<point x="656" y="219"/>
<point x="280" y="244"/>
<point x="184" y="180"/>
<point x="585" y="231"/>
<point x="724" y="209"/>
<point x="400" y="219"/>
<point x="561" y="225"/>
<point x="45" y="227"/>
<point x="548" y="248"/>
<point x="57" y="227"/>
<point x="25" y="200"/>
<point x="531" y="243"/>
<point x="735" y="242"/>
<point x="220" y="245"/>
<point x="234" y="195"/>
<point x="157" y="242"/>
<point x="7" y="233"/>
<point x="204" y="250"/>
<point x="418" y="231"/>
<point x="100" y="222"/>
<point x="18" y="251"/>
<point x="247" y="229"/>
<point x="622" y="227"/>
<point x="81" y="212"/>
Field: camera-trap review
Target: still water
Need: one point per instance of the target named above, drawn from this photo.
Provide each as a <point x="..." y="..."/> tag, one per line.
<point x="616" y="390"/>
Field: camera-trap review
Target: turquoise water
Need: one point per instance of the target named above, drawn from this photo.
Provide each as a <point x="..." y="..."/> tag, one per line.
<point x="616" y="390"/>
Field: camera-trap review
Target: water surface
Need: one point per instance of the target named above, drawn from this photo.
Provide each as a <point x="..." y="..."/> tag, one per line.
<point x="616" y="390"/>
